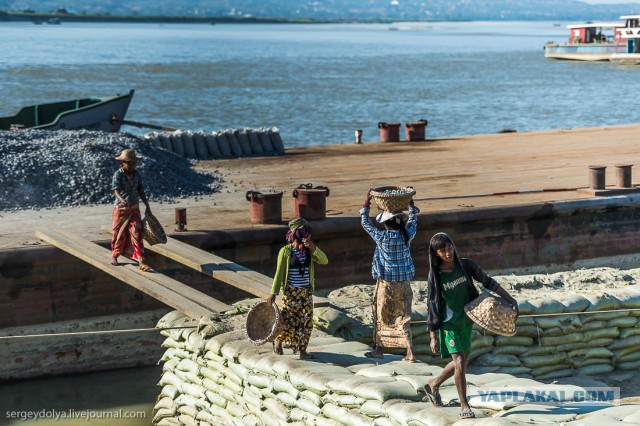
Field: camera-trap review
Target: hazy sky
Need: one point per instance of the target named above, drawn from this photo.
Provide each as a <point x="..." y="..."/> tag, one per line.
<point x="610" y="1"/>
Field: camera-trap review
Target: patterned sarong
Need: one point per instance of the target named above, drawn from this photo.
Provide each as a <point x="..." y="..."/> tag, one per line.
<point x="392" y="314"/>
<point x="126" y="226"/>
<point x="297" y="318"/>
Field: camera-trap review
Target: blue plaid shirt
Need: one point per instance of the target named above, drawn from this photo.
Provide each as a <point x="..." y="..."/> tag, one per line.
<point x="392" y="257"/>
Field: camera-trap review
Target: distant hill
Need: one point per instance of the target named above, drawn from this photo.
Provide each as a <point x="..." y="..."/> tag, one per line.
<point x="338" y="9"/>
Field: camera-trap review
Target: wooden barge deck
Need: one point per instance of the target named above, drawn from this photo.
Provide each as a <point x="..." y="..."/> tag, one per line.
<point x="478" y="188"/>
<point x="443" y="167"/>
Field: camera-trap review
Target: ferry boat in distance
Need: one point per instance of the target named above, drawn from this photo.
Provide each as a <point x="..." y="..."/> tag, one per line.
<point x="596" y="41"/>
<point x="631" y="34"/>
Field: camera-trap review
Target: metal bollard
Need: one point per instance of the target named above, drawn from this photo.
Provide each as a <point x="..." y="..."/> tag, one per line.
<point x="623" y="175"/>
<point x="389" y="132"/>
<point x="597" y="177"/>
<point x="265" y="206"/>
<point x="181" y="219"/>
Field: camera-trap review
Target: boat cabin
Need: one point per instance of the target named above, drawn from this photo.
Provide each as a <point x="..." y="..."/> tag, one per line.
<point x="631" y="32"/>
<point x="597" y="32"/>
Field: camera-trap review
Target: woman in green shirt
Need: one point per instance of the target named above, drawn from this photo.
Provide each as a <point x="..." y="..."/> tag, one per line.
<point x="296" y="279"/>
<point x="450" y="288"/>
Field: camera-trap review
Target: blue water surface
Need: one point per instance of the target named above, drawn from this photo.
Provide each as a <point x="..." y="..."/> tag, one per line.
<point x="318" y="83"/>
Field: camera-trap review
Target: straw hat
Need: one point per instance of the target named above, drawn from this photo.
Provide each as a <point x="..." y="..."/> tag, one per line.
<point x="493" y="313"/>
<point x="263" y="322"/>
<point x="127" y="155"/>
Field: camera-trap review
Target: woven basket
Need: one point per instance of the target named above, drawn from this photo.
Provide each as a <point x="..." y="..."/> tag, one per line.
<point x="493" y="313"/>
<point x="391" y="202"/>
<point x="263" y="323"/>
<point x="152" y="230"/>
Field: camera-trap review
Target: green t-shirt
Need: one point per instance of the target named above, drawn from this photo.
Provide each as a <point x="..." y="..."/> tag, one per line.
<point x="456" y="294"/>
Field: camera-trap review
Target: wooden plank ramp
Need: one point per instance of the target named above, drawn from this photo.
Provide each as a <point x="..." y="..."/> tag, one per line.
<point x="167" y="290"/>
<point x="217" y="267"/>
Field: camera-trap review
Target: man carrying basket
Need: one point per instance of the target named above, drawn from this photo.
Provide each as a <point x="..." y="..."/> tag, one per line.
<point x="126" y="220"/>
<point x="392" y="269"/>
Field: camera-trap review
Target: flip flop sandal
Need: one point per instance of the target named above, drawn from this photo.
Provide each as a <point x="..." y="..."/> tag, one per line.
<point x="435" y="399"/>
<point x="467" y="415"/>
<point x="145" y="268"/>
<point x="370" y="354"/>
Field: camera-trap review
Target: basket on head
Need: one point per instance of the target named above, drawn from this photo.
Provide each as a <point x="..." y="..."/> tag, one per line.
<point x="263" y="322"/>
<point x="393" y="198"/>
<point x="493" y="313"/>
<point x="152" y="230"/>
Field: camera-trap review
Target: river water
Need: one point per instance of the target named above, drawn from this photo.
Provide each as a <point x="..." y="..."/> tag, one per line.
<point x="318" y="83"/>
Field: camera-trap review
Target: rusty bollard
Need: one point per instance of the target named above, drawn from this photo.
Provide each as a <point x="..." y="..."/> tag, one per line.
<point x="623" y="175"/>
<point x="597" y="177"/>
<point x="389" y="132"/>
<point x="265" y="206"/>
<point x="181" y="219"/>
<point x="310" y="202"/>
<point x="416" y="130"/>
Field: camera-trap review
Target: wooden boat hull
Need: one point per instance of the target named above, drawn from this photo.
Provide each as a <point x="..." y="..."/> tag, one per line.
<point x="87" y="113"/>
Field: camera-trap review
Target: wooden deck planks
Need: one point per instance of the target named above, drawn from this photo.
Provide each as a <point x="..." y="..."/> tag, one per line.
<point x="171" y="292"/>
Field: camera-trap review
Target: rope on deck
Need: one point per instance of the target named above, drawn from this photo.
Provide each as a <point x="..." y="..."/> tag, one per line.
<point x="84" y="333"/>
<point x="133" y="330"/>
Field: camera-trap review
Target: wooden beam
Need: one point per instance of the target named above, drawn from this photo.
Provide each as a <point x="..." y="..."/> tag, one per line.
<point x="221" y="269"/>
<point x="169" y="291"/>
<point x="217" y="267"/>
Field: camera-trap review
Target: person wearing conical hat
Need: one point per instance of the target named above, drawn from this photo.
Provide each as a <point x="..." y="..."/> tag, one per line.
<point x="393" y="269"/>
<point x="450" y="287"/>
<point x="126" y="221"/>
<point x="296" y="279"/>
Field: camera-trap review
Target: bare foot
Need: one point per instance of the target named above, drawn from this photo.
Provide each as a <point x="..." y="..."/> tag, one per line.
<point x="114" y="261"/>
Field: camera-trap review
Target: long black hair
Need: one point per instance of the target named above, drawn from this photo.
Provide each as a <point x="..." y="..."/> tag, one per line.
<point x="439" y="241"/>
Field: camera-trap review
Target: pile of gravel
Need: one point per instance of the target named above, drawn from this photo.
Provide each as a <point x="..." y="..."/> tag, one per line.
<point x="43" y="169"/>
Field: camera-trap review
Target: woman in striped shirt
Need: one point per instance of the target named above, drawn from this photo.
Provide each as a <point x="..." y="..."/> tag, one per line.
<point x="295" y="277"/>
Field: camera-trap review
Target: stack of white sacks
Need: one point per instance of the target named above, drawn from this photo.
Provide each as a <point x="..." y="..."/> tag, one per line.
<point x="584" y="340"/>
<point x="232" y="143"/>
<point x="215" y="379"/>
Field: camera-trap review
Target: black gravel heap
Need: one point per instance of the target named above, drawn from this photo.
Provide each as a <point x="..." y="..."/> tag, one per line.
<point x="60" y="168"/>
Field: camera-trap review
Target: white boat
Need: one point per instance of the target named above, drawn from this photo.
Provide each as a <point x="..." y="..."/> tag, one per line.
<point x="631" y="34"/>
<point x="596" y="41"/>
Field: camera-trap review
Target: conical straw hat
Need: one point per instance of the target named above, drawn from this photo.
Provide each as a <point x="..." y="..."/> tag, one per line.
<point x="493" y="313"/>
<point x="263" y="322"/>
